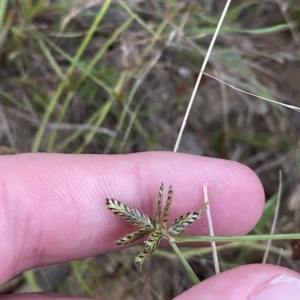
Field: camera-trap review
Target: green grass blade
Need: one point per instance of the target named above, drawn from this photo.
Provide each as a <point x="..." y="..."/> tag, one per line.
<point x="77" y="270"/>
<point x="135" y="16"/>
<point x="83" y="67"/>
<point x="3" y="6"/>
<point x="89" y="68"/>
<point x="12" y="100"/>
<point x="267" y="30"/>
<point x="50" y="58"/>
<point x="57" y="94"/>
<point x="30" y="278"/>
<point x="102" y="115"/>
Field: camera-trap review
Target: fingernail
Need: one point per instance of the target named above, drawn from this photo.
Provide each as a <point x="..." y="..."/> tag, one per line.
<point x="281" y="287"/>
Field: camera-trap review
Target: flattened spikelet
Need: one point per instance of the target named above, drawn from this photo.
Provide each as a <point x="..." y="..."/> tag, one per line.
<point x="167" y="207"/>
<point x="150" y="246"/>
<point x="132" y="215"/>
<point x="159" y="203"/>
<point x="131" y="237"/>
<point x="183" y="222"/>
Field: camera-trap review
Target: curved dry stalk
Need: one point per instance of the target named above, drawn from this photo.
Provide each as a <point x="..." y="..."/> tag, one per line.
<point x="295" y="108"/>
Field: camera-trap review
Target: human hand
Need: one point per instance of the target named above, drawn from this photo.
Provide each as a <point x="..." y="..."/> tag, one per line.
<point x="52" y="209"/>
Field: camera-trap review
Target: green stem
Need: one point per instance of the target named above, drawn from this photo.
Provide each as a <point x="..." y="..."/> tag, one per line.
<point x="261" y="237"/>
<point x="30" y="278"/>
<point x="185" y="263"/>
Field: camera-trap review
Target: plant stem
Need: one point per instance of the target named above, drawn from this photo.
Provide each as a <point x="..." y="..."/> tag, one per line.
<point x="238" y="238"/>
<point x="185" y="263"/>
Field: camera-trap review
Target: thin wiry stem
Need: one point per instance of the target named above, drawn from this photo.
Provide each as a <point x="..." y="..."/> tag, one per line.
<point x="185" y="263"/>
<point x="239" y="238"/>
<point x="212" y="43"/>
<point x="211" y="231"/>
<point x="263" y="98"/>
<point x="275" y="218"/>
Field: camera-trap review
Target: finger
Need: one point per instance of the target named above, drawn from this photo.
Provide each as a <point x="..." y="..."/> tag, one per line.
<point x="52" y="206"/>
<point x="255" y="282"/>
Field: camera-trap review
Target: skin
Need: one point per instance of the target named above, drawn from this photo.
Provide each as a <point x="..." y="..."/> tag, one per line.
<point x="52" y="209"/>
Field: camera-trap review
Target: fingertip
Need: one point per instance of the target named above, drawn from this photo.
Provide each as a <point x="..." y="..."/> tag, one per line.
<point x="255" y="282"/>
